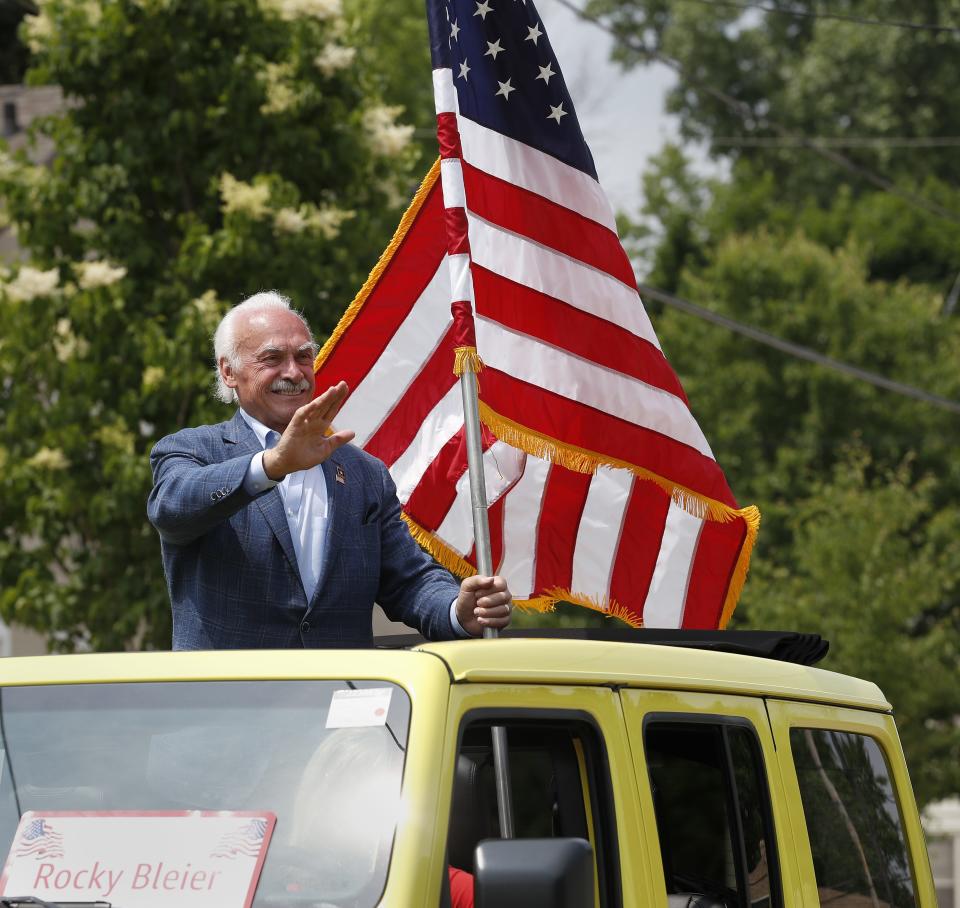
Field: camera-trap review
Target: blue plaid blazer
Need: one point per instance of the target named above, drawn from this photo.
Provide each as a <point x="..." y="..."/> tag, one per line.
<point x="230" y="563"/>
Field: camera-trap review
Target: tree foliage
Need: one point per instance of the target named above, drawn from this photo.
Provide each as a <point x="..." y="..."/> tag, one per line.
<point x="207" y="149"/>
<point x="873" y="566"/>
<point x="791" y="75"/>
<point x="858" y="486"/>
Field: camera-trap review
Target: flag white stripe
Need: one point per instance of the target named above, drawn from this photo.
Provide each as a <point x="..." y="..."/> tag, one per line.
<point x="671" y="576"/>
<point x="548" y="367"/>
<point x="456" y="528"/>
<point x="521" y="517"/>
<point x="461" y="281"/>
<point x="536" y="171"/>
<point x="451" y="180"/>
<point x="385" y="384"/>
<point x="502" y="468"/>
<point x="441" y="424"/>
<point x="557" y="275"/>
<point x="598" y="535"/>
<point x="444" y="94"/>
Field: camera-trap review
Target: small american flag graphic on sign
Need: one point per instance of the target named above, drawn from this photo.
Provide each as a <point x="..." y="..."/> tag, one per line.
<point x="245" y="842"/>
<point x="40" y="840"/>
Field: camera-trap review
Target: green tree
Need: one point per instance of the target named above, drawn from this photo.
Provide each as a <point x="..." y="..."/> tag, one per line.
<point x="875" y="568"/>
<point x="763" y="76"/>
<point x="207" y="149"/>
<point x="779" y="422"/>
<point x="809" y="248"/>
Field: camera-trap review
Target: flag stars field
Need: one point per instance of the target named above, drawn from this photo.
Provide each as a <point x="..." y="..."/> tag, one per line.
<point x="511" y="60"/>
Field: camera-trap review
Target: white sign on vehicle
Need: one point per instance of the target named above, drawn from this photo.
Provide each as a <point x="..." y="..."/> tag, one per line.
<point x="139" y="859"/>
<point x="359" y="708"/>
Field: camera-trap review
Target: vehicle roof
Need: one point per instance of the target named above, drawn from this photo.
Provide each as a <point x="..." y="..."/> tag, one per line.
<point x="516" y="661"/>
<point x="536" y="661"/>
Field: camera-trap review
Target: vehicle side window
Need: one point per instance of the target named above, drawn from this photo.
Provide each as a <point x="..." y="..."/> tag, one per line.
<point x="560" y="787"/>
<point x="713" y="814"/>
<point x="856" y="837"/>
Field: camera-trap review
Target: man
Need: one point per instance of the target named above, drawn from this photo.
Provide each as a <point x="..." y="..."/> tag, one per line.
<point x="277" y="533"/>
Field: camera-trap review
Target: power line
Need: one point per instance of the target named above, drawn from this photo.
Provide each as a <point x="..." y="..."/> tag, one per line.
<point x="743" y="110"/>
<point x="837" y="141"/>
<point x="808" y="14"/>
<point x="797" y="351"/>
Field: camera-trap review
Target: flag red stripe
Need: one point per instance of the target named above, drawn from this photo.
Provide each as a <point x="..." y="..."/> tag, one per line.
<point x="409" y="271"/>
<point x="405" y="420"/>
<point x="713" y="566"/>
<point x="495" y="515"/>
<point x="640" y="540"/>
<point x="564" y="496"/>
<point x="591" y="429"/>
<point x="456" y="225"/>
<point x="448" y="135"/>
<point x="561" y="325"/>
<point x="437" y="489"/>
<point x="531" y="215"/>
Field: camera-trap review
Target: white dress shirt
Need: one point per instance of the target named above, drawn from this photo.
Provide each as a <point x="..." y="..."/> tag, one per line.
<point x="304" y="496"/>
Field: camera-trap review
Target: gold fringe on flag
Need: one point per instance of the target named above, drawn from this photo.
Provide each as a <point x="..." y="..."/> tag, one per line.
<point x="460" y="567"/>
<point x="609" y="607"/>
<point x="751" y="517"/>
<point x="466" y="359"/>
<point x="353" y="310"/>
<point x="581" y="460"/>
<point x="443" y="554"/>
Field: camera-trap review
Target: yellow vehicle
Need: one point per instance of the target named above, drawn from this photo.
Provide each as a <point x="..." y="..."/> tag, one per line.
<point x="666" y="773"/>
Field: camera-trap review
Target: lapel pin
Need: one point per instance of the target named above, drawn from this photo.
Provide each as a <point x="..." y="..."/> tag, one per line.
<point x="341" y="476"/>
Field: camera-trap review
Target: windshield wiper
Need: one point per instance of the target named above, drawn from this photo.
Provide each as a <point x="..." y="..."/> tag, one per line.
<point x="31" y="901"/>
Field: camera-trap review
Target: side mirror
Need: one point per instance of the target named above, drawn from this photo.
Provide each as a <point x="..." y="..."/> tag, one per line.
<point x="533" y="873"/>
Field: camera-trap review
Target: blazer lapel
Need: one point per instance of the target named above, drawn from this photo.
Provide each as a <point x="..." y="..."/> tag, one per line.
<point x="243" y="440"/>
<point x="335" y="516"/>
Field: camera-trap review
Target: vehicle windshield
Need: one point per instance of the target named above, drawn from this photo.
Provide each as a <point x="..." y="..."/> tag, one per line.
<point x="323" y="757"/>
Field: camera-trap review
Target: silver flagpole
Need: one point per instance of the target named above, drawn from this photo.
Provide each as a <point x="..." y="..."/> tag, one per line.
<point x="481" y="535"/>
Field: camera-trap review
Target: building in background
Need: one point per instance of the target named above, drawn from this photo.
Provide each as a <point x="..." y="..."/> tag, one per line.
<point x="942" y="824"/>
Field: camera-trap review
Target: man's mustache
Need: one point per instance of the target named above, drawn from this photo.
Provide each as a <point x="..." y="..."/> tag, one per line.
<point x="285" y="384"/>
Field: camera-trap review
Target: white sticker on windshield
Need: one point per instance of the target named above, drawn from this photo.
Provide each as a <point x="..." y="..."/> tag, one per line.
<point x="359" y="708"/>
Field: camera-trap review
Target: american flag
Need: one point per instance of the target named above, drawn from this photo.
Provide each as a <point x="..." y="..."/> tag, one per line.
<point x="41" y="840"/>
<point x="244" y="842"/>
<point x="602" y="488"/>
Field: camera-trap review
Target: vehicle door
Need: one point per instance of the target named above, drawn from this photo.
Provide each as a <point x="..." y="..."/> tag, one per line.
<point x="711" y="800"/>
<point x="854" y="818"/>
<point x="571" y="776"/>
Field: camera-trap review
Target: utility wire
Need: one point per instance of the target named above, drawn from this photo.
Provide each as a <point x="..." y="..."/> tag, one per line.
<point x="743" y="110"/>
<point x="838" y="141"/>
<point x="795" y="350"/>
<point x="809" y="14"/>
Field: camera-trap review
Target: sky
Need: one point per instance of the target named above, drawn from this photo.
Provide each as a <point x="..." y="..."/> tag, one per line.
<point x="621" y="112"/>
